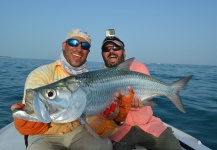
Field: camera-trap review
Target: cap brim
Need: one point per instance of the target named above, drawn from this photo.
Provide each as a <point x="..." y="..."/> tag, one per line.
<point x="113" y="41"/>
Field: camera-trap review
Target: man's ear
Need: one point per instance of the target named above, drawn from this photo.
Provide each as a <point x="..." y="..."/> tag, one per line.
<point x="124" y="54"/>
<point x="63" y="46"/>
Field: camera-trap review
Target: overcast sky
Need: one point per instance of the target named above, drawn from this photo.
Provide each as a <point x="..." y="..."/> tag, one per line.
<point x="154" y="31"/>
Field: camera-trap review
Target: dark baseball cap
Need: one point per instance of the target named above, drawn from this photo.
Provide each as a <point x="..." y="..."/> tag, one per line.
<point x="114" y="40"/>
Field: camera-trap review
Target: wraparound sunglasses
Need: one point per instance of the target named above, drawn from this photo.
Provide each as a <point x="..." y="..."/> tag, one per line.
<point x="75" y="43"/>
<point x="108" y="48"/>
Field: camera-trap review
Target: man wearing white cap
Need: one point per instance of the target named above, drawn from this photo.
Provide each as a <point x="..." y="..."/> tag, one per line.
<point x="59" y="136"/>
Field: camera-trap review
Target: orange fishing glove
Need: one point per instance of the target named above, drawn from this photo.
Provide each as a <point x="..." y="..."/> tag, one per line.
<point x="26" y="127"/>
<point x="112" y="111"/>
<point x="30" y="128"/>
<point x="106" y="127"/>
<point x="102" y="126"/>
<point x="124" y="106"/>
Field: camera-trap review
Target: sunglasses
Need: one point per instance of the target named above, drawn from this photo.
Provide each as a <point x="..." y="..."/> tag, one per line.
<point x="75" y="43"/>
<point x="108" y="48"/>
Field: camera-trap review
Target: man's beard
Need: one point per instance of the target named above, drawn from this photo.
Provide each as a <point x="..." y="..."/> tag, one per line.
<point x="120" y="60"/>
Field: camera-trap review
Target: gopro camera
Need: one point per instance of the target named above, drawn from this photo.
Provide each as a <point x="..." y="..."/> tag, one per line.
<point x="110" y="33"/>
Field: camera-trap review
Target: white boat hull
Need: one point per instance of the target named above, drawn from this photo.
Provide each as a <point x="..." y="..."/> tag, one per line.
<point x="11" y="139"/>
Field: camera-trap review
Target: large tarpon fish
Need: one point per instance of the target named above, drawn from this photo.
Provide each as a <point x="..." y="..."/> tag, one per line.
<point x="90" y="93"/>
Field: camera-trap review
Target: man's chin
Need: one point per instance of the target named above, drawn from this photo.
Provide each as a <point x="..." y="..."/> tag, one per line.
<point x="112" y="64"/>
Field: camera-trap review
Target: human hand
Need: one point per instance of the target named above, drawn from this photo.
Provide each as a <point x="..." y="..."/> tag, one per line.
<point x="17" y="106"/>
<point x="27" y="127"/>
<point x="136" y="102"/>
<point x="125" y="102"/>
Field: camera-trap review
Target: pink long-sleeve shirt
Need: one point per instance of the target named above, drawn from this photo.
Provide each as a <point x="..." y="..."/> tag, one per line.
<point x="142" y="117"/>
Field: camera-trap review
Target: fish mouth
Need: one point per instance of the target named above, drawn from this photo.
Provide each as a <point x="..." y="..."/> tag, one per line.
<point x="40" y="109"/>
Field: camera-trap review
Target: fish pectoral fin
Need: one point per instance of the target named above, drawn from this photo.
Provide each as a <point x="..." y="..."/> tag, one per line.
<point x="149" y="102"/>
<point x="90" y="129"/>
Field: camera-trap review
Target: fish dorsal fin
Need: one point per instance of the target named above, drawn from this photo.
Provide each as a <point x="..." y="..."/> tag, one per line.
<point x="126" y="64"/>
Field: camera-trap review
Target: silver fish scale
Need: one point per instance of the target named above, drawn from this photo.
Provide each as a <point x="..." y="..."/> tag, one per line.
<point x="101" y="86"/>
<point x="90" y="93"/>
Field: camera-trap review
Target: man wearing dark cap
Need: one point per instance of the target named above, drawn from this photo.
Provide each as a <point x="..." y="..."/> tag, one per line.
<point x="113" y="59"/>
<point x="140" y="127"/>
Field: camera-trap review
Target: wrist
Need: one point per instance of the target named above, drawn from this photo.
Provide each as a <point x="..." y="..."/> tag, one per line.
<point x="119" y="123"/>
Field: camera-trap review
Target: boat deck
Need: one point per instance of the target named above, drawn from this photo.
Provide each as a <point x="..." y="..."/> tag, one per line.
<point x="10" y="138"/>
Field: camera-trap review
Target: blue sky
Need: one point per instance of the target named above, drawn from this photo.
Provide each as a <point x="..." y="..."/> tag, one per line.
<point x="154" y="31"/>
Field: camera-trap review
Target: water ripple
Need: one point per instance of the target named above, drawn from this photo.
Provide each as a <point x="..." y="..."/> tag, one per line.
<point x="199" y="97"/>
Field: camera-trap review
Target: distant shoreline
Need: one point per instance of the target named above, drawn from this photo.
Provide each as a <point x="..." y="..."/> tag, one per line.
<point x="5" y="57"/>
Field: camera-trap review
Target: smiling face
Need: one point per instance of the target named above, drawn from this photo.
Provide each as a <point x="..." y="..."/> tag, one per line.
<point x="75" y="56"/>
<point x="113" y="58"/>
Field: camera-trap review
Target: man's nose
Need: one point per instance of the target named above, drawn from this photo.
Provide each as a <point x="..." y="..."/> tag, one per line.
<point x="79" y="47"/>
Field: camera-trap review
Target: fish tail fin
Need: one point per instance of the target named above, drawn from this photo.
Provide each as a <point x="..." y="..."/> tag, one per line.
<point x="178" y="86"/>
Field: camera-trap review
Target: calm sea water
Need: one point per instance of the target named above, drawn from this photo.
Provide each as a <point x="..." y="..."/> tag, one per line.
<point x="199" y="96"/>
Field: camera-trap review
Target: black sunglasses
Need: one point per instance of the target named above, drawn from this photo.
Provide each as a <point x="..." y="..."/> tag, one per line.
<point x="108" y="48"/>
<point x="75" y="43"/>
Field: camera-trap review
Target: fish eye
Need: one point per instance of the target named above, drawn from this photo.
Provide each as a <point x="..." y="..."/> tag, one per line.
<point x="50" y="93"/>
